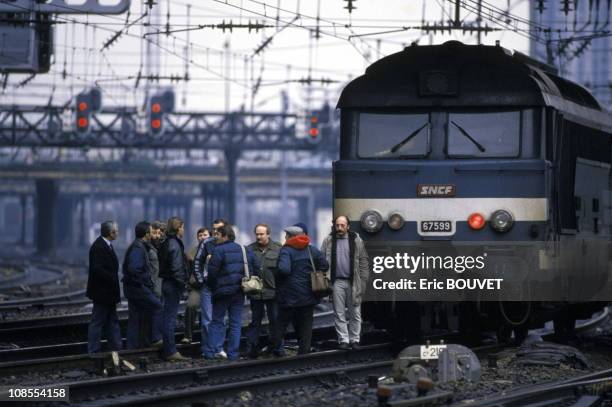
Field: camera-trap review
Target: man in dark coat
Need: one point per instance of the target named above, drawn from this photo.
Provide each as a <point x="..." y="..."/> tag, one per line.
<point x="103" y="290"/>
<point x="266" y="251"/>
<point x="173" y="270"/>
<point x="293" y="287"/>
<point x="225" y="272"/>
<point x="138" y="287"/>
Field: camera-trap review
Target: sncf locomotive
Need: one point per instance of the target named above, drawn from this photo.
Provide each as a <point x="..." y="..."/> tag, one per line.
<point x="451" y="144"/>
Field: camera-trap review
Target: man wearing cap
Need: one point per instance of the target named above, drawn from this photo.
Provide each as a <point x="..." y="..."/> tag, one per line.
<point x="293" y="287"/>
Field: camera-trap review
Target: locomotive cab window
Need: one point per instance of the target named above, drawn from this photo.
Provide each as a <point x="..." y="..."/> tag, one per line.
<point x="393" y="135"/>
<point x="493" y="134"/>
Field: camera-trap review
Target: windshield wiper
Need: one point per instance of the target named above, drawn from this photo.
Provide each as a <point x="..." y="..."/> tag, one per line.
<point x="466" y="134"/>
<point x="407" y="139"/>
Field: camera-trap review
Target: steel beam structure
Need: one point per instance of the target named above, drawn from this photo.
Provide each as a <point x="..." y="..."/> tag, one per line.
<point x="51" y="126"/>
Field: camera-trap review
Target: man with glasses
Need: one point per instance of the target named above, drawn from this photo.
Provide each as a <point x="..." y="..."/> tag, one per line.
<point x="200" y="265"/>
<point x="103" y="289"/>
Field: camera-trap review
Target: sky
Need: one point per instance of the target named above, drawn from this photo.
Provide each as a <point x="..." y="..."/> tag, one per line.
<point x="232" y="71"/>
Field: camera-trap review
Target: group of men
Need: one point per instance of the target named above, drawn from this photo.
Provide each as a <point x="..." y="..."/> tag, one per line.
<point x="157" y="272"/>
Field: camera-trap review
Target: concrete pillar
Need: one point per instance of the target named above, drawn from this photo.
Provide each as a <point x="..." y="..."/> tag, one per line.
<point x="23" y="200"/>
<point x="46" y="203"/>
<point x="231" y="159"/>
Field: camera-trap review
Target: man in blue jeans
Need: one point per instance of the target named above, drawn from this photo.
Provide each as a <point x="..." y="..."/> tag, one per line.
<point x="200" y="271"/>
<point x="173" y="269"/>
<point x="138" y="287"/>
<point x="225" y="271"/>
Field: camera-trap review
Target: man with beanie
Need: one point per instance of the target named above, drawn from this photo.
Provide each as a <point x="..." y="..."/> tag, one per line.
<point x="348" y="259"/>
<point x="293" y="287"/>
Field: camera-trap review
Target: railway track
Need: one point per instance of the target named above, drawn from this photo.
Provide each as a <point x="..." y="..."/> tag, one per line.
<point x="74" y="355"/>
<point x="74" y="298"/>
<point x="31" y="276"/>
<point x="586" y="390"/>
<point x="209" y="382"/>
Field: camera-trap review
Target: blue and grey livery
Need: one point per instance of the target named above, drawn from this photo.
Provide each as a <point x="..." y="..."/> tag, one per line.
<point x="459" y="143"/>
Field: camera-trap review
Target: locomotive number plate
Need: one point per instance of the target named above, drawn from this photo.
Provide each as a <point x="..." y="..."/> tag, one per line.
<point x="436" y="226"/>
<point x="431" y="351"/>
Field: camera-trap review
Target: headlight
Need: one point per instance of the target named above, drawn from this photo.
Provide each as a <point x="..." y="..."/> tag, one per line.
<point x="501" y="220"/>
<point x="395" y="221"/>
<point x="371" y="221"/>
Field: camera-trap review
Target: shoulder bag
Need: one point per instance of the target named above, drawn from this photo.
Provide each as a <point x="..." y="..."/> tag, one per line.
<point x="250" y="284"/>
<point x="319" y="281"/>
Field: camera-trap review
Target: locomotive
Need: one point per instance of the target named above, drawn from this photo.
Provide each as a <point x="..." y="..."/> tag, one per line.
<point x="453" y="144"/>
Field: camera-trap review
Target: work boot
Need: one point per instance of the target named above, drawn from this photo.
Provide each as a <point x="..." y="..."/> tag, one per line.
<point x="177" y="357"/>
<point x="344" y="346"/>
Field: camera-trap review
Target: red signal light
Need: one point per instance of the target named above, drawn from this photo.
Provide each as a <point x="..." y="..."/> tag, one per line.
<point x="82" y="122"/>
<point x="156" y="108"/>
<point x="314" y="119"/>
<point x="314" y="132"/>
<point x="156" y="123"/>
<point x="476" y="221"/>
<point x="82" y="106"/>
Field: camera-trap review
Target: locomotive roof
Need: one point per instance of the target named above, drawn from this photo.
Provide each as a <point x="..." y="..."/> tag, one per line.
<point x="469" y="76"/>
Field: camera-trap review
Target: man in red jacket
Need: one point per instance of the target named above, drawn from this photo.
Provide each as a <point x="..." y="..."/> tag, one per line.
<point x="294" y="294"/>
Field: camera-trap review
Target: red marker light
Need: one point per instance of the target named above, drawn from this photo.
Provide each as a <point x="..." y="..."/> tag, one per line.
<point x="82" y="122"/>
<point x="313" y="132"/>
<point x="476" y="221"/>
<point x="82" y="106"/>
<point x="156" y="124"/>
<point x="156" y="108"/>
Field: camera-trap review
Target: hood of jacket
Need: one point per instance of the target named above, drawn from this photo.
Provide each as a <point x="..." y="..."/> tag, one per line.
<point x="298" y="242"/>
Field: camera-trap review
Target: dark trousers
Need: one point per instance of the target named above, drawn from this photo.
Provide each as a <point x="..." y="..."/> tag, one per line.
<point x="103" y="316"/>
<point x="301" y="319"/>
<point x="190" y="321"/>
<point x="143" y="309"/>
<point x="258" y="308"/>
<point x="172" y="291"/>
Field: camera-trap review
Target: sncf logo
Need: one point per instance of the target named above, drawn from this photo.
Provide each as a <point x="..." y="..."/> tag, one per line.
<point x="426" y="190"/>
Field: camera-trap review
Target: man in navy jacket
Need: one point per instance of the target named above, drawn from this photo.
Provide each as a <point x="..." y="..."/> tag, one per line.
<point x="293" y="286"/>
<point x="225" y="273"/>
<point x="143" y="304"/>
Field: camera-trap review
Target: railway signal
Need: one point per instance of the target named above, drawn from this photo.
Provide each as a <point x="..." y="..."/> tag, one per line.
<point x="87" y="102"/>
<point x="313" y="131"/>
<point x="159" y="104"/>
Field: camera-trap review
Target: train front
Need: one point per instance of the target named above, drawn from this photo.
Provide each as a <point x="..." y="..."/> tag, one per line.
<point x="443" y="173"/>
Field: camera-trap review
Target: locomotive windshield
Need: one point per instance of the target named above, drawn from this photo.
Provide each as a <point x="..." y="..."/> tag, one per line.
<point x="466" y="134"/>
<point x="484" y="134"/>
<point x="393" y="135"/>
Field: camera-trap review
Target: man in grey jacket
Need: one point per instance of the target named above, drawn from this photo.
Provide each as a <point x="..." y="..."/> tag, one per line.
<point x="348" y="261"/>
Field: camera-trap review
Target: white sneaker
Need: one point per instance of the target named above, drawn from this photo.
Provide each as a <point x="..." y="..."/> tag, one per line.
<point x="221" y="355"/>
